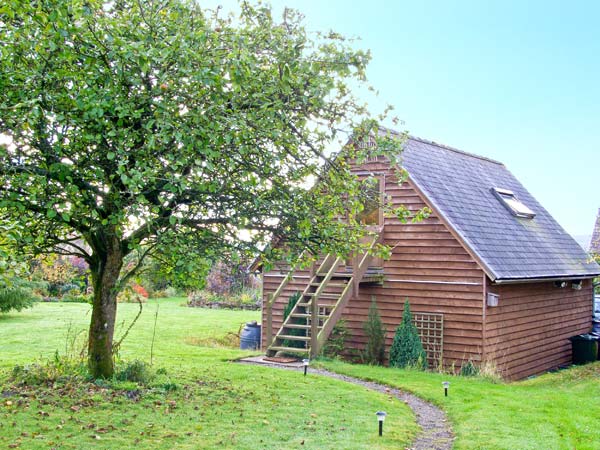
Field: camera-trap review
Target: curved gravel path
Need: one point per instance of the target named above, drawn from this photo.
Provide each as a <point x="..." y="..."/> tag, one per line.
<point x="435" y="434"/>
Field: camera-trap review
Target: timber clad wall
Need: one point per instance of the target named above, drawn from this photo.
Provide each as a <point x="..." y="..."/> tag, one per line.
<point x="527" y="333"/>
<point x="428" y="266"/>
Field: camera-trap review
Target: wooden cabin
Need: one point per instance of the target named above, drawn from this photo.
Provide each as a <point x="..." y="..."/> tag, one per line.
<point x="490" y="276"/>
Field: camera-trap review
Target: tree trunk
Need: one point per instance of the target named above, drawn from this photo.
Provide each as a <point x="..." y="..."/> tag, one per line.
<point x="105" y="276"/>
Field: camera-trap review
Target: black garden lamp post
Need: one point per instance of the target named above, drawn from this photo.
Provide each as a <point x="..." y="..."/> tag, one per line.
<point x="381" y="418"/>
<point x="446" y="385"/>
<point x="305" y="363"/>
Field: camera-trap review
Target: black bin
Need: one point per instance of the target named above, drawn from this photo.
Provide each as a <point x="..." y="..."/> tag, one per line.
<point x="585" y="348"/>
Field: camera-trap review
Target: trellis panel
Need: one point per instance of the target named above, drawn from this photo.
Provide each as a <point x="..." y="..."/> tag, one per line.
<point x="430" y="327"/>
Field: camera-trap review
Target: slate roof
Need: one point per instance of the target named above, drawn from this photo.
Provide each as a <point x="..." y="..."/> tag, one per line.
<point x="459" y="184"/>
<point x="595" y="242"/>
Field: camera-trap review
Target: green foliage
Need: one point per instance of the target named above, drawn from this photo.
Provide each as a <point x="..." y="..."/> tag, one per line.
<point x="15" y="298"/>
<point x="58" y="274"/>
<point x="58" y="369"/>
<point x="159" y="129"/>
<point x="136" y="371"/>
<point x="15" y="289"/>
<point x="247" y="298"/>
<point x="556" y="410"/>
<point x="12" y="267"/>
<point x="407" y="349"/>
<point x="167" y="292"/>
<point x="336" y="343"/>
<point x="202" y="400"/>
<point x="63" y="369"/>
<point x="294" y="298"/>
<point x="374" y="352"/>
<point x="469" y="369"/>
<point x="77" y="298"/>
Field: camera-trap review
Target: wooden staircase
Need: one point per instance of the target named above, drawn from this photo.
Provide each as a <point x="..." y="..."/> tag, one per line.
<point x="320" y="305"/>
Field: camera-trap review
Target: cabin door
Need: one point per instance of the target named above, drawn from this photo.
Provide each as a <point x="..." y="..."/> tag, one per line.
<point x="372" y="215"/>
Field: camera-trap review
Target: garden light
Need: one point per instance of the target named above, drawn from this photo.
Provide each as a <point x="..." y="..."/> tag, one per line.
<point x="305" y="363"/>
<point x="380" y="418"/>
<point x="446" y="385"/>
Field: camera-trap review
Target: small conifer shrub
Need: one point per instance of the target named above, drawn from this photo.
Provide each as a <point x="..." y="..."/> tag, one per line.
<point x="375" y="332"/>
<point x="407" y="349"/>
<point x="336" y="343"/>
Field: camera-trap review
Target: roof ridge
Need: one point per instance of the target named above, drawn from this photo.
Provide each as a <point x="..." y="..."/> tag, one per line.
<point x="453" y="149"/>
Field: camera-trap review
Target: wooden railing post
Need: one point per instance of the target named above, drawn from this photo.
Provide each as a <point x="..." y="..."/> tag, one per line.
<point x="314" y="328"/>
<point x="355" y="280"/>
<point x="269" y="327"/>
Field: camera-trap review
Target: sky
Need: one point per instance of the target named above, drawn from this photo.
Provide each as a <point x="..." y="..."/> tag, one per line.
<point x="516" y="81"/>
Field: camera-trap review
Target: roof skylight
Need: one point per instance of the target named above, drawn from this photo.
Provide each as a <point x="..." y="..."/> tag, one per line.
<point x="513" y="204"/>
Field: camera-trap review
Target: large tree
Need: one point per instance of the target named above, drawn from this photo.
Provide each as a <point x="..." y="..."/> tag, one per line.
<point x="154" y="127"/>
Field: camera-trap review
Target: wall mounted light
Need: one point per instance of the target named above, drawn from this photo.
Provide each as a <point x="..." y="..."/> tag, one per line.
<point x="560" y="284"/>
<point x="492" y="299"/>
<point x="577" y="285"/>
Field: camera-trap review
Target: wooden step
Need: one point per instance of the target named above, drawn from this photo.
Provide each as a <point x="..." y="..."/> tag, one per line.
<point x="320" y="305"/>
<point x="342" y="285"/>
<point x="297" y="326"/>
<point x="329" y="296"/>
<point x="304" y="316"/>
<point x="337" y="275"/>
<point x="277" y="348"/>
<point x="290" y="337"/>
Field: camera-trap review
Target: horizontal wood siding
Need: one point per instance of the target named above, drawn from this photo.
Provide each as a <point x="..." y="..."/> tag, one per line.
<point x="428" y="266"/>
<point x="431" y="269"/>
<point x="527" y="333"/>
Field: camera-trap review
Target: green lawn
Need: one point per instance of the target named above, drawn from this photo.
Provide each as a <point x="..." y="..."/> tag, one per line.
<point x="554" y="411"/>
<point x="226" y="405"/>
<point x="219" y="404"/>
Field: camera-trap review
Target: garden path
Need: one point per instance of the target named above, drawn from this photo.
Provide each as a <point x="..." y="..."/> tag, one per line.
<point x="435" y="434"/>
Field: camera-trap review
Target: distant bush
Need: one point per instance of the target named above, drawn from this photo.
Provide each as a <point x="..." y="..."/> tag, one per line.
<point x="407" y="349"/>
<point x="140" y="290"/>
<point x="136" y="371"/>
<point x="374" y="352"/>
<point x="227" y="278"/>
<point x="59" y="274"/>
<point x="167" y="292"/>
<point x="80" y="298"/>
<point x="246" y="299"/>
<point x="69" y="288"/>
<point x="15" y="298"/>
<point x="128" y="295"/>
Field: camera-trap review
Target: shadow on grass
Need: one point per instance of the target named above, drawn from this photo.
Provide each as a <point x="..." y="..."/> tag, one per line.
<point x="19" y="317"/>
